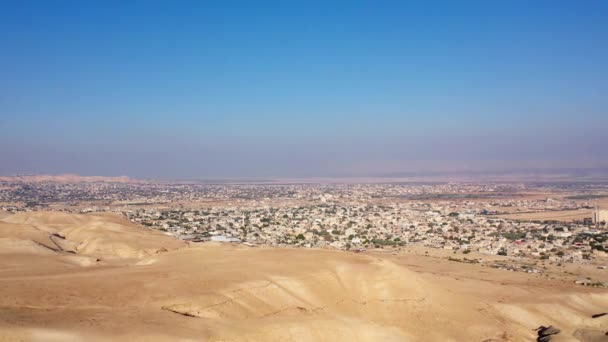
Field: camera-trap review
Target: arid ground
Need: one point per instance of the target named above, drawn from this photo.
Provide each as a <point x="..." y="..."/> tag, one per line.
<point x="68" y="277"/>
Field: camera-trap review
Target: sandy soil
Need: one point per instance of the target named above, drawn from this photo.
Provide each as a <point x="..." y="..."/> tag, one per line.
<point x="68" y="277"/>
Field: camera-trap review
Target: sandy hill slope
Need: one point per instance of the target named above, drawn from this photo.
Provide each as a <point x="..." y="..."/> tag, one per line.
<point x="104" y="236"/>
<point x="98" y="277"/>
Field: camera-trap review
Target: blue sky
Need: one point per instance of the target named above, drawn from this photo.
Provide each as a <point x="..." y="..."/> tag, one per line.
<point x="179" y="89"/>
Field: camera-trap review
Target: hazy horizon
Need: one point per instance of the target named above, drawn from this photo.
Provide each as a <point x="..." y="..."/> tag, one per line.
<point x="195" y="90"/>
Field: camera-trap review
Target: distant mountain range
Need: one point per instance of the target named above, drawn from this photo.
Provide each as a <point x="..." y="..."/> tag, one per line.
<point x="68" y="178"/>
<point x="599" y="174"/>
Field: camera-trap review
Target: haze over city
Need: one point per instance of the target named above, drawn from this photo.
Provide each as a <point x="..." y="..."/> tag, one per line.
<point x="204" y="90"/>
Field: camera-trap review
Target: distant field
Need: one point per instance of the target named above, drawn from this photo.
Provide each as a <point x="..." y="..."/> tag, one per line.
<point x="602" y="203"/>
<point x="585" y="197"/>
<point x="557" y="215"/>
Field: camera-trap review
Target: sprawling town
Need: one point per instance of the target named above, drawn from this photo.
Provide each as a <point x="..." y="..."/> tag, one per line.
<point x="465" y="217"/>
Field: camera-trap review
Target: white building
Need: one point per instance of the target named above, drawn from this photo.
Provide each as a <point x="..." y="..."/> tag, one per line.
<point x="224" y="238"/>
<point x="600" y="216"/>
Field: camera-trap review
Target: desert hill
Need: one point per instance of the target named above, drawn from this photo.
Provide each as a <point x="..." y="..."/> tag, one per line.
<point x="99" y="277"/>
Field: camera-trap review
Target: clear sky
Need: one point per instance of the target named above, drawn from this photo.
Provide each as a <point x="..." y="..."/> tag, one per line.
<point x="179" y="89"/>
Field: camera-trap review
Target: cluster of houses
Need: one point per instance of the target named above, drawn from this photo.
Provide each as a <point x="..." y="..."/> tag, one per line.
<point x="328" y="224"/>
<point x="452" y="216"/>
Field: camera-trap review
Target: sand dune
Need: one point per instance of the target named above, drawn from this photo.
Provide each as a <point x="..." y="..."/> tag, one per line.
<point x="112" y="280"/>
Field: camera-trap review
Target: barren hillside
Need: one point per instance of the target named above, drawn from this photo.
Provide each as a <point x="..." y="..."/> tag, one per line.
<point x="98" y="277"/>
